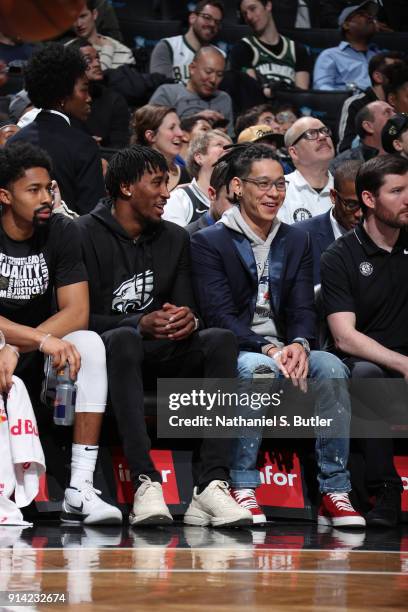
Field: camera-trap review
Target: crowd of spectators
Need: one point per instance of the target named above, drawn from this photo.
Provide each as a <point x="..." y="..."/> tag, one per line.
<point x="282" y="210"/>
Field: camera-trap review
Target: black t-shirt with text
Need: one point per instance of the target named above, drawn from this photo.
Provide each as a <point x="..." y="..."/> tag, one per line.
<point x="30" y="270"/>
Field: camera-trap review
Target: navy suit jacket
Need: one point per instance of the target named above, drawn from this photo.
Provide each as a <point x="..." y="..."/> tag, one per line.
<point x="226" y="283"/>
<point x="321" y="235"/>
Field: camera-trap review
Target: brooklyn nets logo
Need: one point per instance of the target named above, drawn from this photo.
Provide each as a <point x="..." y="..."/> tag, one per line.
<point x="366" y="268"/>
<point x="134" y="294"/>
<point x="301" y="214"/>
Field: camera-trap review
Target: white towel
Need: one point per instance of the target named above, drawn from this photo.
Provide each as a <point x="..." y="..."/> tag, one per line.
<point x="22" y="458"/>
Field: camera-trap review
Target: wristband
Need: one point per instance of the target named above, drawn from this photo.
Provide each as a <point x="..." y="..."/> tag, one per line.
<point x="196" y="323"/>
<point x="43" y="341"/>
<point x="15" y="351"/>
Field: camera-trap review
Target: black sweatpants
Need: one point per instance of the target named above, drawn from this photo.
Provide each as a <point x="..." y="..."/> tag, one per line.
<point x="211" y="353"/>
<point x="378" y="452"/>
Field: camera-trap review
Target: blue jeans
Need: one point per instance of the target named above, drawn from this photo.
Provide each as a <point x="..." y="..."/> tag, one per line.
<point x="332" y="401"/>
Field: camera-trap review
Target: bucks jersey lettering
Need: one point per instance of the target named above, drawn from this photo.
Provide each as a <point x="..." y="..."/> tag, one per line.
<point x="182" y="56"/>
<point x="273" y="67"/>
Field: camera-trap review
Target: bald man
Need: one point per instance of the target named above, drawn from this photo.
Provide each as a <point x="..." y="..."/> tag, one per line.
<point x="201" y="94"/>
<point x="369" y="123"/>
<point x="311" y="149"/>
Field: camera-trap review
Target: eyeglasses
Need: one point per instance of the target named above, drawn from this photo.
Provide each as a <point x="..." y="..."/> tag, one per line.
<point x="209" y="19"/>
<point x="351" y="205"/>
<point x="267" y="184"/>
<point x="313" y="134"/>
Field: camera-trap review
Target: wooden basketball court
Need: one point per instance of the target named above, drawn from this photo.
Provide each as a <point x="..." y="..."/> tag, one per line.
<point x="280" y="567"/>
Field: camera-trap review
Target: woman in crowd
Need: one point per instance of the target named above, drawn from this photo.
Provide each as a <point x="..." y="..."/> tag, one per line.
<point x="159" y="127"/>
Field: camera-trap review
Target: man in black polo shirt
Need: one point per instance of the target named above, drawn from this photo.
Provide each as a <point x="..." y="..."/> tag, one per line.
<point x="365" y="294"/>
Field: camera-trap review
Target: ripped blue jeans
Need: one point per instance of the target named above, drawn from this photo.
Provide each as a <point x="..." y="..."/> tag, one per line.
<point x="332" y="400"/>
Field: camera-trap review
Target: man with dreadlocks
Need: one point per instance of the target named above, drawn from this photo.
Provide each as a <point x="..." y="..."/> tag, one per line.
<point x="253" y="276"/>
<point x="142" y="305"/>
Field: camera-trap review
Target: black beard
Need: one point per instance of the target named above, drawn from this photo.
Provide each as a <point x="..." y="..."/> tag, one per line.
<point x="41" y="224"/>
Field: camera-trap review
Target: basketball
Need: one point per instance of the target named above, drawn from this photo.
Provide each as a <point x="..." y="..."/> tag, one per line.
<point x="34" y="20"/>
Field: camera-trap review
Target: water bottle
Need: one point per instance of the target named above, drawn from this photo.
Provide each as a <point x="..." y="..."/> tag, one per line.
<point x="65" y="398"/>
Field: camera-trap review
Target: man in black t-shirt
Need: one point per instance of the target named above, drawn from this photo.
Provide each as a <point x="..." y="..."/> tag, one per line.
<point x="266" y="55"/>
<point x="40" y="258"/>
<point x="365" y="295"/>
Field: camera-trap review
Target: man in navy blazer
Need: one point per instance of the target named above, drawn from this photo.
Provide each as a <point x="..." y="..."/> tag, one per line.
<point x="253" y="275"/>
<point x="345" y="214"/>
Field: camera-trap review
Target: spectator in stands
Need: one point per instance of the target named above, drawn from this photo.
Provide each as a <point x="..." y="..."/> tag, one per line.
<point x="266" y="55"/>
<point x="14" y="51"/>
<point x="109" y="118"/>
<point x="143" y="306"/>
<point x="286" y="115"/>
<point x="112" y="53"/>
<point x="189" y="202"/>
<point x="376" y="71"/>
<point x="43" y="253"/>
<point x="201" y="94"/>
<point x="310" y="147"/>
<point x="394" y="136"/>
<point x="220" y="199"/>
<point x="159" y="127"/>
<point x="263" y="134"/>
<point x="370" y="121"/>
<point x="396" y="88"/>
<point x="393" y="13"/>
<point x="253" y="275"/>
<point x="7" y="130"/>
<point x="172" y="56"/>
<point x="261" y="114"/>
<point x="346" y="65"/>
<point x="106" y="21"/>
<point x="344" y="215"/>
<point x="56" y="82"/>
<point x="365" y="295"/>
<point x="192" y="126"/>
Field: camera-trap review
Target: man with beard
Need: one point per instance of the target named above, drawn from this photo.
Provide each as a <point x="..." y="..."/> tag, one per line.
<point x="365" y="296"/>
<point x="143" y="306"/>
<point x="173" y="56"/>
<point x="39" y="259"/>
<point x="347" y="64"/>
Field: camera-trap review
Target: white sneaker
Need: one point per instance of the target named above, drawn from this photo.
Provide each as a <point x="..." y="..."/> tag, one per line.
<point x="149" y="507"/>
<point x="85" y="506"/>
<point x="215" y="506"/>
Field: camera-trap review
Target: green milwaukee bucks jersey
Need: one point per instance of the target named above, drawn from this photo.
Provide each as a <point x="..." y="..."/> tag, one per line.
<point x="271" y="67"/>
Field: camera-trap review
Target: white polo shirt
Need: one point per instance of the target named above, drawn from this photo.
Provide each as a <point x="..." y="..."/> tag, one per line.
<point x="302" y="201"/>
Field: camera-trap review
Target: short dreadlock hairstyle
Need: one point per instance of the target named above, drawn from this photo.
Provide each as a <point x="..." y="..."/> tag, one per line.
<point x="51" y="74"/>
<point x="129" y="165"/>
<point x="16" y="158"/>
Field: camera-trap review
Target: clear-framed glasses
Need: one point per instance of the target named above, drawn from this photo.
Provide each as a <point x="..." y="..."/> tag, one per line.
<point x="266" y="184"/>
<point x="209" y="19"/>
<point x="351" y="205"/>
<point x="313" y="134"/>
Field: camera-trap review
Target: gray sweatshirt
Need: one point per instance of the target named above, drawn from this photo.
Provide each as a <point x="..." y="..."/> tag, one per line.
<point x="263" y="322"/>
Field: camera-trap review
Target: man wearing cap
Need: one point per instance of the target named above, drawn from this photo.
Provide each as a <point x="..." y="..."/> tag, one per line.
<point x="311" y="149"/>
<point x="395" y="135"/>
<point x="266" y="135"/>
<point x="347" y="64"/>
